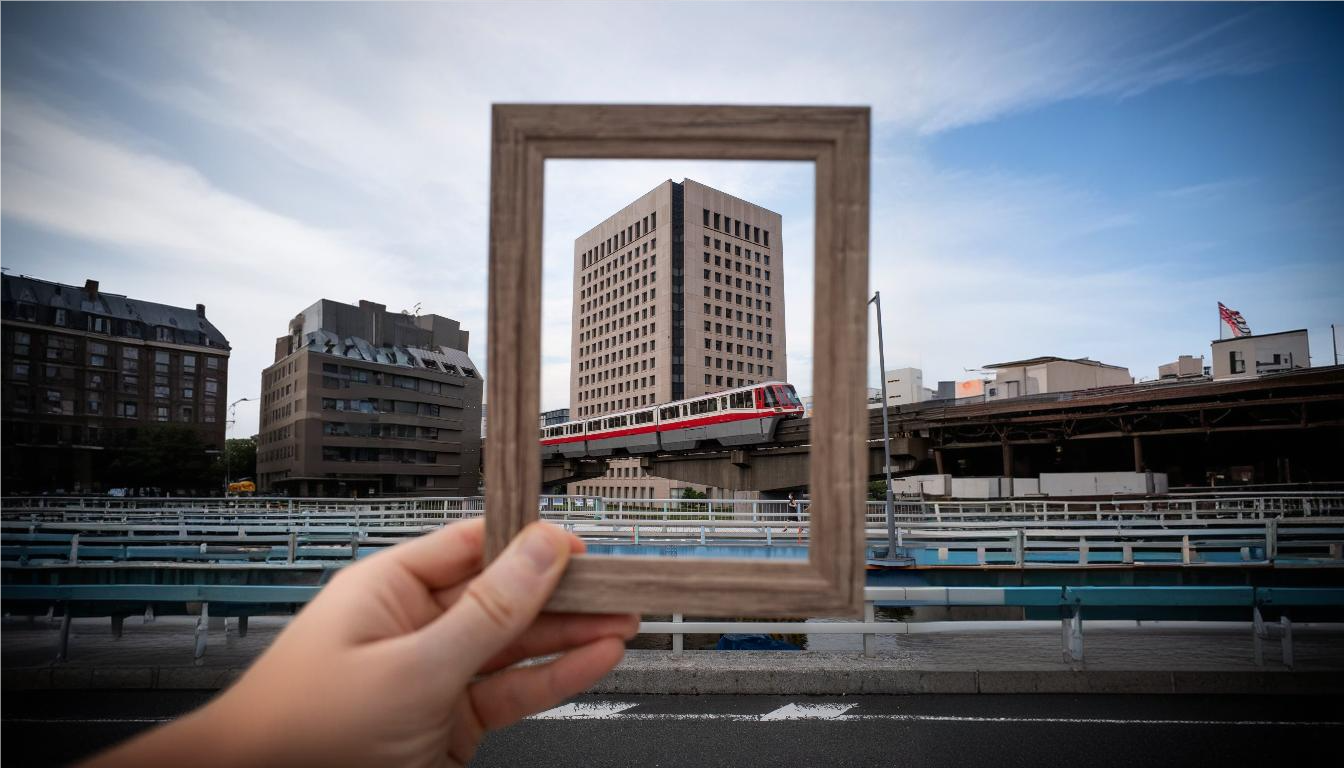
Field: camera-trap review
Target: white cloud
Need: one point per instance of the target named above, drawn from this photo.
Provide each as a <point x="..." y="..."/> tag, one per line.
<point x="343" y="152"/>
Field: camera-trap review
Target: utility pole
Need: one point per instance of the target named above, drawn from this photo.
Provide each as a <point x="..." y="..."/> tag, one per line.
<point x="886" y="432"/>
<point x="233" y="417"/>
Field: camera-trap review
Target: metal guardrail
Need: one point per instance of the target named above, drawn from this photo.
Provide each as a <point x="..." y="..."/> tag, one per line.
<point x="283" y="540"/>
<point x="1231" y="502"/>
<point x="117" y="600"/>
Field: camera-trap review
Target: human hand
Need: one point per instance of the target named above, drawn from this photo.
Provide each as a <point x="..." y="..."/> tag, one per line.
<point x="405" y="658"/>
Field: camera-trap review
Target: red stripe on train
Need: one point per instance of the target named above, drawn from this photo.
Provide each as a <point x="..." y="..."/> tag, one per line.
<point x="669" y="427"/>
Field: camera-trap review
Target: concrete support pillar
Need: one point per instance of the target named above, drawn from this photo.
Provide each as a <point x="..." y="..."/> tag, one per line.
<point x="1138" y="453"/>
<point x="938" y="461"/>
<point x="1007" y="458"/>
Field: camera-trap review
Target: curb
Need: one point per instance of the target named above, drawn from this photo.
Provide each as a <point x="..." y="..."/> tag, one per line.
<point x="767" y="673"/>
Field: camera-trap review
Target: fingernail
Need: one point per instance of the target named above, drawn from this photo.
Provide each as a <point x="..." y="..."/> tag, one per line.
<point x="538" y="547"/>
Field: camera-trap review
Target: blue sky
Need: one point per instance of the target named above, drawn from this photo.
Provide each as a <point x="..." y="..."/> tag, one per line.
<point x="1076" y="180"/>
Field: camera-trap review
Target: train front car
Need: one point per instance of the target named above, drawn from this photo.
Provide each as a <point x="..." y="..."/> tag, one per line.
<point x="745" y="416"/>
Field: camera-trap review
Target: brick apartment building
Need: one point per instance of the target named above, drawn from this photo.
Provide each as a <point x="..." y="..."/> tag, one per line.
<point x="85" y="371"/>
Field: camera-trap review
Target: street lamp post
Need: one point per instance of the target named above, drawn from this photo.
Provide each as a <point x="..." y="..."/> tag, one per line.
<point x="886" y="432"/>
<point x="233" y="416"/>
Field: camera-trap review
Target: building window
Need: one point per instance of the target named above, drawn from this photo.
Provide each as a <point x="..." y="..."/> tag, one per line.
<point x="60" y="317"/>
<point x="189" y="363"/>
<point x="22" y="342"/>
<point x="128" y="410"/>
<point x="21" y="371"/>
<point x="161" y="413"/>
<point x="163" y="333"/>
<point x="185" y="413"/>
<point x="100" y="324"/>
<point x="1237" y="360"/>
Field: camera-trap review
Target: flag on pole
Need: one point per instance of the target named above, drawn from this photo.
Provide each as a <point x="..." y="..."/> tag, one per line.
<point x="1234" y="320"/>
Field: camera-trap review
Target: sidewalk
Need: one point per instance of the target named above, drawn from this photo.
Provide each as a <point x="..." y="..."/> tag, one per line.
<point x="160" y="655"/>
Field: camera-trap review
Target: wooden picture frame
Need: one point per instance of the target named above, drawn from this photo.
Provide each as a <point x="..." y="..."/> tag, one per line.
<point x="836" y="141"/>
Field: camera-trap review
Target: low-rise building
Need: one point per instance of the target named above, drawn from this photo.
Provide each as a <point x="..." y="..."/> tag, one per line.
<point x="363" y="401"/>
<point x="1041" y="375"/>
<point x="1184" y="367"/>
<point x="551" y="418"/>
<point x="905" y="386"/>
<point x="1249" y="356"/>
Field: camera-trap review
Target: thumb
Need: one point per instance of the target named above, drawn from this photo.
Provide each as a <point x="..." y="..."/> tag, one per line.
<point x="498" y="604"/>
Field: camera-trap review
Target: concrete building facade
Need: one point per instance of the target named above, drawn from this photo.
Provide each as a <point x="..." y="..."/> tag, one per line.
<point x="1184" y="367"/>
<point x="678" y="294"/>
<point x="1250" y="356"/>
<point x="1041" y="375"/>
<point x="362" y="401"/>
<point x="86" y="371"/>
<point x="905" y="386"/>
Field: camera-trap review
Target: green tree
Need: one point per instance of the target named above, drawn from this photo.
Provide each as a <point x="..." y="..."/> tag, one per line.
<point x="168" y="456"/>
<point x="240" y="459"/>
<point x="691" y="493"/>
<point x="877" y="490"/>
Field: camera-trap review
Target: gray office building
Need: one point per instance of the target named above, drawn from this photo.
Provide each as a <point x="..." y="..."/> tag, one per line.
<point x="361" y="401"/>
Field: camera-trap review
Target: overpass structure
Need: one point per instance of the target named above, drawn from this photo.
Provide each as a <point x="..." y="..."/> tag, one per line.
<point x="1284" y="428"/>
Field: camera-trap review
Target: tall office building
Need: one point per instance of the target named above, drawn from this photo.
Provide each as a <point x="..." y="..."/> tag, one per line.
<point x="678" y="294"/>
<point x="88" y="372"/>
<point x="362" y="401"/>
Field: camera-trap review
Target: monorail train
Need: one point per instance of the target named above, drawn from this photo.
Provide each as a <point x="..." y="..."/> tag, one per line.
<point x="743" y="416"/>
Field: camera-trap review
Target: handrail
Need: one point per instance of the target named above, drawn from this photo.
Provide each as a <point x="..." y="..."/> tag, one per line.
<point x="1068" y="599"/>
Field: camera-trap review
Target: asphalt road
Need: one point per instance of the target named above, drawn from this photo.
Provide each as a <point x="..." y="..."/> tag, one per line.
<point x="56" y="727"/>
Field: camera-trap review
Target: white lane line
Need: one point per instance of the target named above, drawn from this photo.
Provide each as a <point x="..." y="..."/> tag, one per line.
<point x="840" y="713"/>
<point x="807" y="712"/>
<point x="602" y="710"/>
<point x="790" y="712"/>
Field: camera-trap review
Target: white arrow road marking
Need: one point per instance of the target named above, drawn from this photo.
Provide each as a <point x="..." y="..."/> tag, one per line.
<point x="807" y="712"/>
<point x="601" y="710"/>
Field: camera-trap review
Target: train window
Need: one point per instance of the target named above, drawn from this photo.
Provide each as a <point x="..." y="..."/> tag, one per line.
<point x="770" y="400"/>
<point x="643" y="417"/>
<point x="575" y="429"/>
<point x="740" y="400"/>
<point x="668" y="412"/>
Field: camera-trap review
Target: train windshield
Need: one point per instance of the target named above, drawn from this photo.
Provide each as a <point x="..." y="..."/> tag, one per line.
<point x="770" y="400"/>
<point x="790" y="396"/>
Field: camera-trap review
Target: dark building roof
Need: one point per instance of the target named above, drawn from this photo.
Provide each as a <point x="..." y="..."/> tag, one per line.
<point x="191" y="325"/>
<point x="1051" y="359"/>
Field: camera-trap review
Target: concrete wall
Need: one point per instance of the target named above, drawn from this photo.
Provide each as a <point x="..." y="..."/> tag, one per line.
<point x="1056" y="484"/>
<point x="981" y="487"/>
<point x="1026" y="486"/>
<point x="928" y="485"/>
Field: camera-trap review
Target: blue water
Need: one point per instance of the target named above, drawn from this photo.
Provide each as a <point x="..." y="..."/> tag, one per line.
<point x="747" y="551"/>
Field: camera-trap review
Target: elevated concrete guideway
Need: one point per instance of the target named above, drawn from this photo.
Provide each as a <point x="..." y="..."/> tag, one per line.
<point x="779" y="466"/>
<point x="1284" y="427"/>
